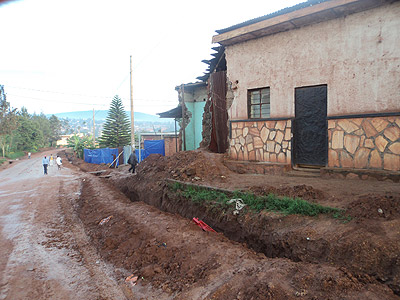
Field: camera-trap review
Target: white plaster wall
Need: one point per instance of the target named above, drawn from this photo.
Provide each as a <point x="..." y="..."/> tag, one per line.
<point x="198" y="95"/>
<point x="357" y="56"/>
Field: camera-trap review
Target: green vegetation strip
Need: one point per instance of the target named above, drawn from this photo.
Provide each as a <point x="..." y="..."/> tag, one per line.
<point x="271" y="202"/>
<point x="2" y="160"/>
<point x="14" y="155"/>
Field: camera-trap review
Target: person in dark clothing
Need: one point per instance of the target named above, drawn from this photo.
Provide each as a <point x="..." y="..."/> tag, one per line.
<point x="45" y="163"/>
<point x="132" y="160"/>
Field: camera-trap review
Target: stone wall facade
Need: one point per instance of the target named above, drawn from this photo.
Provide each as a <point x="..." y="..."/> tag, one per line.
<point x="263" y="141"/>
<point x="365" y="143"/>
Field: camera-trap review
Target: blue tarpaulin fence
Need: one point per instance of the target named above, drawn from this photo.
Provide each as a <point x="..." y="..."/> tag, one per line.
<point x="106" y="155"/>
<point x="151" y="147"/>
<point x="100" y="156"/>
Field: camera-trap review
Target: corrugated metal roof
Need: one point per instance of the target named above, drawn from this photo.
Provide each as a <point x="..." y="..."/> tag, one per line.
<point x="272" y="15"/>
<point x="212" y="63"/>
<point x="175" y="113"/>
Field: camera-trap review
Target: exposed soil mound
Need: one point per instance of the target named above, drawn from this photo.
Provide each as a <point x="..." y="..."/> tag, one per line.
<point x="186" y="166"/>
<point x="298" y="191"/>
<point x="84" y="166"/>
<point x="376" y="207"/>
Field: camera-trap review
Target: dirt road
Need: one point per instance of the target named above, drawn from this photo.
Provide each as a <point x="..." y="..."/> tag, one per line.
<point x="45" y="253"/>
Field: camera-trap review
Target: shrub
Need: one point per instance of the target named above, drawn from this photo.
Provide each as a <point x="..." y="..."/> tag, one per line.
<point x="271" y="202"/>
<point x="14" y="155"/>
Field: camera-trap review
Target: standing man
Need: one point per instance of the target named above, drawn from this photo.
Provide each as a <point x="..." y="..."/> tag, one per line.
<point x="29" y="155"/>
<point x="45" y="162"/>
<point x="58" y="162"/>
<point x="132" y="160"/>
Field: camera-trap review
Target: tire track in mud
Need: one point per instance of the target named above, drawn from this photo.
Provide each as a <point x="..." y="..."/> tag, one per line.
<point x="102" y="277"/>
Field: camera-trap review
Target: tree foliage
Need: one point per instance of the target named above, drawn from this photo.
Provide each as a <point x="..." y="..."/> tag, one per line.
<point x="78" y="144"/>
<point x="28" y="135"/>
<point x="55" y="129"/>
<point x="8" y="120"/>
<point x="21" y="131"/>
<point x="116" y="130"/>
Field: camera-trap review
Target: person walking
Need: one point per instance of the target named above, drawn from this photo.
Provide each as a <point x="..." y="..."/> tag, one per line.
<point x="45" y="162"/>
<point x="29" y="155"/>
<point x="132" y="160"/>
<point x="58" y="162"/>
<point x="51" y="160"/>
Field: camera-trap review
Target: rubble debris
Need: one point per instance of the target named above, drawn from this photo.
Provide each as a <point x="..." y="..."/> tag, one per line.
<point x="105" y="220"/>
<point x="131" y="279"/>
<point x="239" y="205"/>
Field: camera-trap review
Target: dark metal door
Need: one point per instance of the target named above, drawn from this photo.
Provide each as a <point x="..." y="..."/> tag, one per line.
<point x="310" y="126"/>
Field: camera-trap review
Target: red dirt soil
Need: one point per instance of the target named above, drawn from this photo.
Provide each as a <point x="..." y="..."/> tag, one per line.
<point x="256" y="255"/>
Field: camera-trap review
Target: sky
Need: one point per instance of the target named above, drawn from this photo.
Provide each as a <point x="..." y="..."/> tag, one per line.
<point x="62" y="56"/>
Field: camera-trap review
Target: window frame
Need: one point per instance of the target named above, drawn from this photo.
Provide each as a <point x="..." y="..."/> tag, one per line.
<point x="250" y="105"/>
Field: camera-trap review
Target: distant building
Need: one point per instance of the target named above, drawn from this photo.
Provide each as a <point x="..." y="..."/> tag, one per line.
<point x="172" y="141"/>
<point x="64" y="139"/>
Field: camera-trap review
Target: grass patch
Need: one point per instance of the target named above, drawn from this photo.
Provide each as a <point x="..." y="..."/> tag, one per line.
<point x="271" y="202"/>
<point x="14" y="155"/>
<point x="2" y="160"/>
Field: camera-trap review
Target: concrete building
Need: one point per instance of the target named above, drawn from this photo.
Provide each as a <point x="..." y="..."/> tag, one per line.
<point x="316" y="85"/>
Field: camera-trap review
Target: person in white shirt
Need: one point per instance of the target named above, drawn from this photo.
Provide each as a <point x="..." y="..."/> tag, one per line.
<point x="58" y="162"/>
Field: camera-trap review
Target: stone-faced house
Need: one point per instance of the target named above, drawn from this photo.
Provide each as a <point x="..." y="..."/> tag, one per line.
<point x="317" y="84"/>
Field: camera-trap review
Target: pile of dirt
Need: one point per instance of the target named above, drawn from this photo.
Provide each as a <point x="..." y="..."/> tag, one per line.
<point x="303" y="191"/>
<point x="84" y="166"/>
<point x="186" y="166"/>
<point x="376" y="207"/>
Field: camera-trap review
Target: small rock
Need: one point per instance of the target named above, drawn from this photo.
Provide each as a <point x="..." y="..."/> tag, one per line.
<point x="380" y="210"/>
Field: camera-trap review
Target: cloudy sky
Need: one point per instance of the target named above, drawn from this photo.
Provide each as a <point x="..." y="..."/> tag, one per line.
<point x="60" y="56"/>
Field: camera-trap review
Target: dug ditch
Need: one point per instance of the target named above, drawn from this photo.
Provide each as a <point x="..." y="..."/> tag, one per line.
<point x="358" y="246"/>
<point x="366" y="249"/>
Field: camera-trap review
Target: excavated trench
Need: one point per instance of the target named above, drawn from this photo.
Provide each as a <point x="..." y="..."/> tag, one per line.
<point x="366" y="246"/>
<point x="297" y="238"/>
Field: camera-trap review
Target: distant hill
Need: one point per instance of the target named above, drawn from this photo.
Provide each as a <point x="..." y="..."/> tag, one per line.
<point x="102" y="115"/>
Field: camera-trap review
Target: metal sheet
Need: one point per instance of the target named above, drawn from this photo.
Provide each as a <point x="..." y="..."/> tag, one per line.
<point x="310" y="126"/>
<point x="219" y="114"/>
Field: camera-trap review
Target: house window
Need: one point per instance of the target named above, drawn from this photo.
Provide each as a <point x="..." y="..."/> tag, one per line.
<point x="259" y="103"/>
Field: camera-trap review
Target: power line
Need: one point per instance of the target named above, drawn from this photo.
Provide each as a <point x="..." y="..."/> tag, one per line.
<point x="46" y="100"/>
<point x="137" y="99"/>
<point x="54" y="92"/>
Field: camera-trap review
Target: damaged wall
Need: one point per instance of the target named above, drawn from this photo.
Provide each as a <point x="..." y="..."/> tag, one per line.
<point x="195" y="99"/>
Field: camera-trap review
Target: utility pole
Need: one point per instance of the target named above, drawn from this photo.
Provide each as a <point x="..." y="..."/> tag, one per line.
<point x="132" y="116"/>
<point x="94" y="131"/>
<point x="183" y="116"/>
